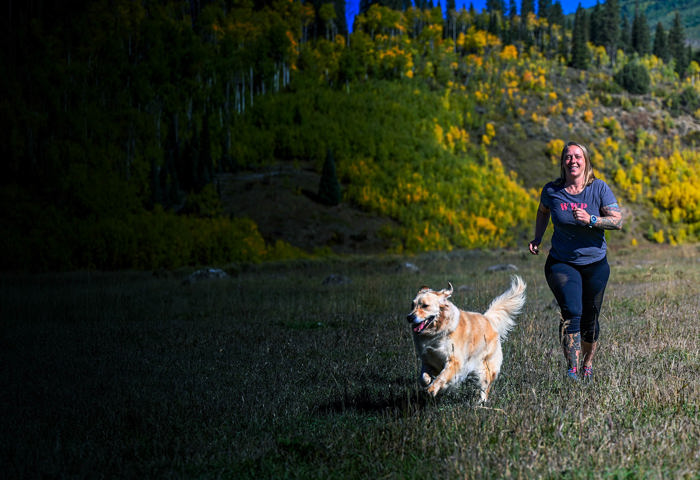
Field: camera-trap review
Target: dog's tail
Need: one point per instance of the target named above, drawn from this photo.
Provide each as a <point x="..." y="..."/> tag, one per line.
<point x="506" y="306"/>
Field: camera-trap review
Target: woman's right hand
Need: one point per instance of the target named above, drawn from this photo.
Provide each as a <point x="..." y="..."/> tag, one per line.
<point x="534" y="247"/>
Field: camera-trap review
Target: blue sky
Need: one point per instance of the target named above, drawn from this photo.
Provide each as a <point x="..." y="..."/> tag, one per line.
<point x="569" y="6"/>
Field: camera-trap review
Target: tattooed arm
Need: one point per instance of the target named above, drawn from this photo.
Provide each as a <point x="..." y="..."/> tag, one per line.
<point x="610" y="219"/>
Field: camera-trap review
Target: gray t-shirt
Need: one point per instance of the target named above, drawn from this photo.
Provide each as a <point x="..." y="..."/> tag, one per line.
<point x="573" y="241"/>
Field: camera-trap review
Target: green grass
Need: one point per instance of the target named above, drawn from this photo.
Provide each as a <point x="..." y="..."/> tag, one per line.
<point x="271" y="374"/>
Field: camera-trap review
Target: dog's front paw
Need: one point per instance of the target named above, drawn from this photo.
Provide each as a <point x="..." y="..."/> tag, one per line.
<point x="434" y="388"/>
<point x="425" y="379"/>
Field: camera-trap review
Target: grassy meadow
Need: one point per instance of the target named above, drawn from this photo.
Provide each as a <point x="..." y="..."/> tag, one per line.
<point x="272" y="373"/>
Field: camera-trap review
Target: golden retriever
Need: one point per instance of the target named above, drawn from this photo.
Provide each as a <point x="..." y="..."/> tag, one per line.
<point x="452" y="343"/>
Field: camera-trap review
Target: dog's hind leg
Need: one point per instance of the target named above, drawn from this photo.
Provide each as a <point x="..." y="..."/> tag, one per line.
<point x="488" y="373"/>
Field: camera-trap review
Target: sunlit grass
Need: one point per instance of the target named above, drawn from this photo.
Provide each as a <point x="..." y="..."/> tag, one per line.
<point x="272" y="374"/>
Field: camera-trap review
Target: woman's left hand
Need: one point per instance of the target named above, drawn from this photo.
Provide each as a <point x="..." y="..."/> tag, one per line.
<point x="581" y="216"/>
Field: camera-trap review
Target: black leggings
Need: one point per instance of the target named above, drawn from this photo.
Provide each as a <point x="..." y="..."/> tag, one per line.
<point x="579" y="290"/>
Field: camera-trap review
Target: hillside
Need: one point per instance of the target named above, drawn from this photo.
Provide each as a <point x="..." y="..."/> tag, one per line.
<point x="664" y="11"/>
<point x="281" y="199"/>
<point x="154" y="136"/>
<point x="282" y="202"/>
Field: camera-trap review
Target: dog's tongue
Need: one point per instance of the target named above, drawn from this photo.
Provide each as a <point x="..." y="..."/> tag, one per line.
<point x="418" y="328"/>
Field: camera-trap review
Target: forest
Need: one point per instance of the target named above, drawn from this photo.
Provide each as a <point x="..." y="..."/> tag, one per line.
<point x="119" y="116"/>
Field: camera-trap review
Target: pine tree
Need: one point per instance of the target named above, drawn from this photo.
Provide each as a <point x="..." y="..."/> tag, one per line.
<point x="611" y="28"/>
<point x="341" y="20"/>
<point x="451" y="20"/>
<point x="329" y="187"/>
<point x="495" y="6"/>
<point x="512" y="10"/>
<point x="579" y="48"/>
<point x="596" y="25"/>
<point x="676" y="45"/>
<point x="625" y="41"/>
<point x="495" y="23"/>
<point x="556" y="14"/>
<point x="527" y="7"/>
<point x="641" y="42"/>
<point x="543" y="7"/>
<point x="661" y="44"/>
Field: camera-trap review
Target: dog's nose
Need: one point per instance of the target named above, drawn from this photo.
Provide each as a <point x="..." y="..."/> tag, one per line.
<point x="410" y="317"/>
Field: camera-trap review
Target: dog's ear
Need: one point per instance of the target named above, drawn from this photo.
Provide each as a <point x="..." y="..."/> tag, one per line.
<point x="424" y="289"/>
<point x="447" y="292"/>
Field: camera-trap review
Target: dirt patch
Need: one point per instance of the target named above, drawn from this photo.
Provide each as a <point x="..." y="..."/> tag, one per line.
<point x="281" y="201"/>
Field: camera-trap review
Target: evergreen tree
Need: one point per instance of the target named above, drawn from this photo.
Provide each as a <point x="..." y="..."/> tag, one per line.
<point x="556" y="14"/>
<point x="596" y="25"/>
<point x="676" y="45"/>
<point x="641" y="41"/>
<point x="496" y="6"/>
<point x="329" y="187"/>
<point x="625" y="41"/>
<point x="543" y="7"/>
<point x="661" y="44"/>
<point x="512" y="11"/>
<point x="579" y="48"/>
<point x="513" y="30"/>
<point x="365" y="4"/>
<point x="495" y="23"/>
<point x="341" y="19"/>
<point x="451" y="20"/>
<point x="527" y="7"/>
<point x="610" y="31"/>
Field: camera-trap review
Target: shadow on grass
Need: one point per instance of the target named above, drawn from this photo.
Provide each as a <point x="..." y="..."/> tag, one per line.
<point x="405" y="398"/>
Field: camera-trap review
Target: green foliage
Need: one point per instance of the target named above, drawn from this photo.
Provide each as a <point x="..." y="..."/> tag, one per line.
<point x="687" y="101"/>
<point x="141" y="240"/>
<point x="579" y="49"/>
<point x="127" y="112"/>
<point x="206" y="203"/>
<point x="329" y="188"/>
<point x="634" y="78"/>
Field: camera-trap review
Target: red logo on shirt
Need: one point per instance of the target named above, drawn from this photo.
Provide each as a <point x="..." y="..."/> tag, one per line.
<point x="567" y="206"/>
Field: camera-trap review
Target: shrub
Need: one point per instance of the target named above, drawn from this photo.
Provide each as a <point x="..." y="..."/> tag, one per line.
<point x="688" y="101"/>
<point x="329" y="188"/>
<point x="634" y="78"/>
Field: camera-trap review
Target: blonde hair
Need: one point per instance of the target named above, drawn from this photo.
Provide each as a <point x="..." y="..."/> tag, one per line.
<point x="588" y="171"/>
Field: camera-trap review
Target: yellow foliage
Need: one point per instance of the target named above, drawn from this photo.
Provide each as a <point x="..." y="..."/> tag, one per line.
<point x="490" y="130"/>
<point x="477" y="41"/>
<point x="509" y="52"/>
<point x="588" y="116"/>
<point x="555" y="109"/>
<point x="659" y="236"/>
<point x="554" y="149"/>
<point x="457" y="139"/>
<point x="439" y="133"/>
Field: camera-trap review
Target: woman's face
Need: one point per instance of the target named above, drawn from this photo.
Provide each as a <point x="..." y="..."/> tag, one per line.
<point x="574" y="162"/>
